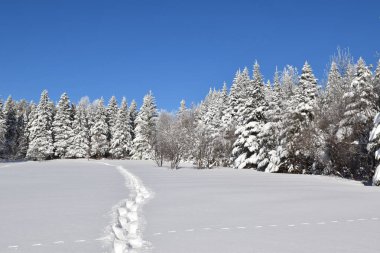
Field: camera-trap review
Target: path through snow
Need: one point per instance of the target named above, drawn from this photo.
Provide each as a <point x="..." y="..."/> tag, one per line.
<point x="126" y="231"/>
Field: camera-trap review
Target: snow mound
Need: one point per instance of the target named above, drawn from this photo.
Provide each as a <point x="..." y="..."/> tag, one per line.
<point x="126" y="230"/>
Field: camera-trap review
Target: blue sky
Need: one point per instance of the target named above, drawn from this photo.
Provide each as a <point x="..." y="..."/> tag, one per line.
<point x="177" y="49"/>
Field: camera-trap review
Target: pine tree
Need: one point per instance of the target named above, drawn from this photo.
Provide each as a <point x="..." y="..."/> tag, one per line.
<point x="132" y="118"/>
<point x="274" y="100"/>
<point x="354" y="128"/>
<point x="237" y="99"/>
<point x="112" y="110"/>
<point x="145" y="127"/>
<point x="211" y="111"/>
<point x="273" y="124"/>
<point x="63" y="127"/>
<point x="80" y="146"/>
<point x="99" y="131"/>
<point x="121" y="139"/>
<point x="257" y="79"/>
<point x="23" y="111"/>
<point x="362" y="105"/>
<point x="289" y="86"/>
<point x="297" y="122"/>
<point x="41" y="140"/>
<point x="11" y="128"/>
<point x="376" y="82"/>
<point x="3" y="129"/>
<point x="374" y="148"/>
<point x="289" y="80"/>
<point x="247" y="151"/>
<point x="224" y="97"/>
<point x="334" y="84"/>
<point x="31" y="118"/>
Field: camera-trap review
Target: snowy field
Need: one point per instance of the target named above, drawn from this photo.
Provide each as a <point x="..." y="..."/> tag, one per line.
<point x="57" y="206"/>
<point x="189" y="211"/>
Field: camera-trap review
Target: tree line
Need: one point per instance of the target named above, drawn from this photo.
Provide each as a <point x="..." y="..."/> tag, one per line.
<point x="292" y="124"/>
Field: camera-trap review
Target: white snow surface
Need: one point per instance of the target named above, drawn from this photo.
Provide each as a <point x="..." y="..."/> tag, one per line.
<point x="228" y="210"/>
<point x="60" y="206"/>
<point x="66" y="206"/>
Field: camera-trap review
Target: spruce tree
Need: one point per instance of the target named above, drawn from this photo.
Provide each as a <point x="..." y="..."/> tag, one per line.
<point x="289" y="80"/>
<point x="132" y="112"/>
<point x="354" y="128"/>
<point x="237" y="98"/>
<point x="334" y="87"/>
<point x="10" y="115"/>
<point x="121" y="139"/>
<point x="247" y="151"/>
<point x="298" y="118"/>
<point x="31" y="118"/>
<point x="362" y="105"/>
<point x="80" y="146"/>
<point x="40" y="133"/>
<point x="23" y="111"/>
<point x="376" y="83"/>
<point x="3" y="129"/>
<point x="63" y="127"/>
<point x="145" y="128"/>
<point x="374" y="149"/>
<point x="99" y="131"/>
<point x="112" y="110"/>
<point x="273" y="125"/>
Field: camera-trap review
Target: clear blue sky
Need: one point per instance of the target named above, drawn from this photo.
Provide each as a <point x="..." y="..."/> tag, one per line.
<point x="177" y="49"/>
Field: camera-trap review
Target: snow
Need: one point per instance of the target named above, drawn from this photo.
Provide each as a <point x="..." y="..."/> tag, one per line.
<point x="62" y="200"/>
<point x="74" y="205"/>
<point x="228" y="210"/>
<point x="126" y="229"/>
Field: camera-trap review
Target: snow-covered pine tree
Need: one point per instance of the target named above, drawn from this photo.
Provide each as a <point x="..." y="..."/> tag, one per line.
<point x="289" y="86"/>
<point x="237" y="98"/>
<point x="211" y="110"/>
<point x="132" y="112"/>
<point x="362" y="105"/>
<point x="145" y="128"/>
<point x="63" y="127"/>
<point x="246" y="152"/>
<point x="10" y="116"/>
<point x="297" y="122"/>
<point x="354" y="128"/>
<point x="80" y="146"/>
<point x="334" y="87"/>
<point x="112" y="110"/>
<point x="374" y="149"/>
<point x="31" y="118"/>
<point x="376" y="83"/>
<point x="289" y="80"/>
<point x="3" y="129"/>
<point x="224" y="94"/>
<point x="99" y="131"/>
<point x="23" y="111"/>
<point x="210" y="113"/>
<point x="273" y="124"/>
<point x="274" y="100"/>
<point x="226" y="131"/>
<point x="121" y="138"/>
<point x="40" y="132"/>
